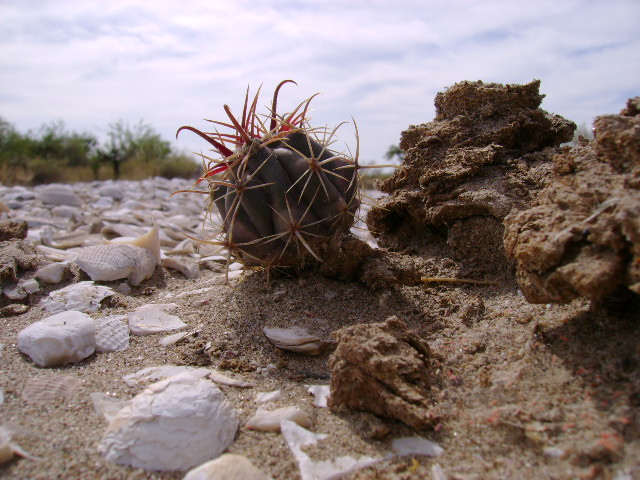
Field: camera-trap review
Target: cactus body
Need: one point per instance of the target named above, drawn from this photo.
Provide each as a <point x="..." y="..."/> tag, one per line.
<point x="279" y="190"/>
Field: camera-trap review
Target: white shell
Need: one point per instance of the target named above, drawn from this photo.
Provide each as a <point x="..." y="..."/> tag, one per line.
<point x="320" y="394"/>
<point x="175" y="424"/>
<point x="150" y="319"/>
<point x="82" y="297"/>
<point x="416" y="446"/>
<point x="296" y="339"/>
<point x="113" y="262"/>
<point x="185" y="266"/>
<point x="149" y="241"/>
<point x="112" y="333"/>
<point x="265" y="397"/>
<point x="50" y="388"/>
<point x="153" y="374"/>
<point x="66" y="337"/>
<point x="269" y="420"/>
<point x="228" y="466"/>
<point x="106" y="405"/>
<point x="58" y="196"/>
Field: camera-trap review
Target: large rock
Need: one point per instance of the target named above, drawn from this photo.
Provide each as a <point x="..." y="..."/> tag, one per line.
<point x="382" y="368"/>
<point x="485" y="155"/>
<point x="581" y="237"/>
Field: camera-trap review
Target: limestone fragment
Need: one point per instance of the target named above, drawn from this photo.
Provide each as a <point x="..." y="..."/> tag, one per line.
<point x="382" y="368"/>
<point x="66" y="337"/>
<point x="150" y="319"/>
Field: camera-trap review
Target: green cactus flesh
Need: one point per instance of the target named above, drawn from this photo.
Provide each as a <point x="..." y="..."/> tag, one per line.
<point x="279" y="189"/>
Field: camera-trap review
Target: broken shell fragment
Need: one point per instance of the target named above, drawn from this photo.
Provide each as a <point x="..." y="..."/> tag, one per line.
<point x="228" y="466"/>
<point x="269" y="420"/>
<point x="50" y="388"/>
<point x="82" y="297"/>
<point x="115" y="261"/>
<point x="112" y="333"/>
<point x="297" y="339"/>
<point x="150" y="319"/>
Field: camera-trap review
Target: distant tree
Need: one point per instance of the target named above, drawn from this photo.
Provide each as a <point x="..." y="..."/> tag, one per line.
<point x="55" y="143"/>
<point x="393" y="152"/>
<point x="139" y="143"/>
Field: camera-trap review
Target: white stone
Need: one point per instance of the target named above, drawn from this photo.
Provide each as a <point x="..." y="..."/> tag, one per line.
<point x="175" y="424"/>
<point x="82" y="296"/>
<point x="63" y="338"/>
<point x="228" y="466"/>
<point x="269" y="420"/>
<point x="116" y="261"/>
<point x="14" y="292"/>
<point x="150" y="319"/>
<point x="112" y="333"/>
<point x="29" y="286"/>
<point x="111" y="191"/>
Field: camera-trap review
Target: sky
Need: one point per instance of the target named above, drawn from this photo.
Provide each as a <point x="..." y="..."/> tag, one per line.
<point x="172" y="63"/>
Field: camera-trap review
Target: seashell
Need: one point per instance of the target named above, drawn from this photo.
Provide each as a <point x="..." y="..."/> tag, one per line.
<point x="150" y="319"/>
<point x="153" y="374"/>
<point x="320" y="393"/>
<point x="172" y="339"/>
<point x="65" y="211"/>
<point x="65" y="337"/>
<point x="264" y="397"/>
<point x="111" y="191"/>
<point x="82" y="296"/>
<point x="406" y="446"/>
<point x="53" y="273"/>
<point x="106" y="406"/>
<point x="113" y="262"/>
<point x="58" y="196"/>
<point x="185" y="266"/>
<point x="296" y="339"/>
<point x="50" y="388"/>
<point x="185" y="416"/>
<point x="185" y="246"/>
<point x="112" y="333"/>
<point x="8" y="448"/>
<point x="149" y="241"/>
<point x="298" y="437"/>
<point x="222" y="379"/>
<point x="54" y="254"/>
<point x="226" y="466"/>
<point x="269" y="420"/>
<point x="122" y="229"/>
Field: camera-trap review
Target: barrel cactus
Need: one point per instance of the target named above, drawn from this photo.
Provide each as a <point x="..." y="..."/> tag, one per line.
<point x="279" y="189"/>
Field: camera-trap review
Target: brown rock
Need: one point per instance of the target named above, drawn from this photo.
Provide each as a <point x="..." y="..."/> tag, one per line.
<point x="485" y="155"/>
<point x="11" y="229"/>
<point x="14" y="255"/>
<point x="382" y="368"/>
<point x="581" y="237"/>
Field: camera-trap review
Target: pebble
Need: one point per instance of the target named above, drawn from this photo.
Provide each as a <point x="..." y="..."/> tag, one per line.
<point x="66" y="337"/>
<point x="226" y="467"/>
<point x="174" y="424"/>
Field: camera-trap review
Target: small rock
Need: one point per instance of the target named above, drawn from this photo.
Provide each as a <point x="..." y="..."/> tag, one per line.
<point x="226" y="467"/>
<point x="150" y="319"/>
<point x="184" y="415"/>
<point x="11" y="229"/>
<point x="63" y="338"/>
<point x="59" y="196"/>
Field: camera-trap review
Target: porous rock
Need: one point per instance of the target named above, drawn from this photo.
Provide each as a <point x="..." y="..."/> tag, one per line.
<point x="10" y="229"/>
<point x="581" y="236"/>
<point x="66" y="337"/>
<point x="382" y="368"/>
<point x="15" y="255"/>
<point x="485" y="154"/>
<point x="174" y="424"/>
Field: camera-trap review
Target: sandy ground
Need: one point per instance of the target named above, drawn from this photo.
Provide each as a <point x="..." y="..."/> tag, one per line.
<point x="526" y="391"/>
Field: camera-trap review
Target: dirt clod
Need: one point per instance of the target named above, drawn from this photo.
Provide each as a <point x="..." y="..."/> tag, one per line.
<point x="382" y="368"/>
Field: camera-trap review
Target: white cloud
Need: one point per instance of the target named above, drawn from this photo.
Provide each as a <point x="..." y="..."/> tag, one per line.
<point x="173" y="63"/>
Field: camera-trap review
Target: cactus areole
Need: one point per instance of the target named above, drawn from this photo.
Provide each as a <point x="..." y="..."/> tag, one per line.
<point x="279" y="189"/>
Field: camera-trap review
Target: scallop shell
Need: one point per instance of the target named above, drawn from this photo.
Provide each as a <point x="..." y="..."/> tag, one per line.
<point x="296" y="339"/>
<point x="112" y="333"/>
<point x="50" y="388"/>
<point x="114" y="262"/>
